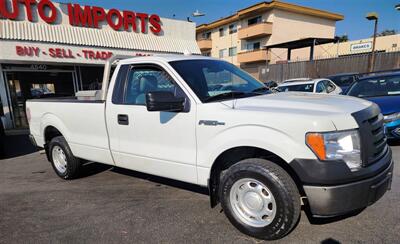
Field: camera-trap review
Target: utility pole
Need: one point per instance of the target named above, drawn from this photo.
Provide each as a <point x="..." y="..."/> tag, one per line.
<point x="371" y="63"/>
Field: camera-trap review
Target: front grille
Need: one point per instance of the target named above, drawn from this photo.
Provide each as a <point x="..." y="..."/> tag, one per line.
<point x="372" y="133"/>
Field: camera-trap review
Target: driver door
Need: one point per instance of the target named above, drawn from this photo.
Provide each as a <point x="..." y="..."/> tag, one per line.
<point x="158" y="143"/>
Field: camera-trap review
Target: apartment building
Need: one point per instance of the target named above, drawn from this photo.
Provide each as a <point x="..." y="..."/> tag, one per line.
<point x="241" y="38"/>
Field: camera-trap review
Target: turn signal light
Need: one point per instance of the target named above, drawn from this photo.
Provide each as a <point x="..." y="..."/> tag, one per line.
<point x="316" y="143"/>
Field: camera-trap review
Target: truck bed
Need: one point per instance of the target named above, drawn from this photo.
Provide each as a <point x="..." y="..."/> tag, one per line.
<point x="86" y="134"/>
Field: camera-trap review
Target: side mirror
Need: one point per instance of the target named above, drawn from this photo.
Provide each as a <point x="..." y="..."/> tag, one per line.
<point x="164" y="102"/>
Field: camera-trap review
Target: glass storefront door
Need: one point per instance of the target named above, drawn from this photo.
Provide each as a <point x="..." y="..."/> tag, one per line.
<point x="24" y="85"/>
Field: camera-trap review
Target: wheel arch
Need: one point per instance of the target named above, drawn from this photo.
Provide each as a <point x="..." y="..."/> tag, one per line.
<point x="51" y="122"/>
<point x="49" y="133"/>
<point x="233" y="155"/>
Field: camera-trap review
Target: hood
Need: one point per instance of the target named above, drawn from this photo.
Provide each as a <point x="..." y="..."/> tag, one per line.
<point x="316" y="112"/>
<point x="301" y="102"/>
<point x="387" y="104"/>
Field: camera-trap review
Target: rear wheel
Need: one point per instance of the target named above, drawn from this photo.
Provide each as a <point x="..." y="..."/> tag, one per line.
<point x="260" y="199"/>
<point x="64" y="163"/>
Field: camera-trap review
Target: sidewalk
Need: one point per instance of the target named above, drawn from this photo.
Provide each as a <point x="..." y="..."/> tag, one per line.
<point x="16" y="146"/>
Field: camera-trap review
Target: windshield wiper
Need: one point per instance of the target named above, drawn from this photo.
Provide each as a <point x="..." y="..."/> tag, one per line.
<point x="223" y="96"/>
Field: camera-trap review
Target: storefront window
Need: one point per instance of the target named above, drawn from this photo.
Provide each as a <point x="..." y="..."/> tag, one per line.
<point x="91" y="77"/>
<point x="23" y="85"/>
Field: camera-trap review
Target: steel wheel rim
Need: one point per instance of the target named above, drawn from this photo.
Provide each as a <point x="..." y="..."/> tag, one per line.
<point x="59" y="159"/>
<point x="253" y="203"/>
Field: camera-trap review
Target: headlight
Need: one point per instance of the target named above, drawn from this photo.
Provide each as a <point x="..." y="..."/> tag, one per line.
<point x="342" y="145"/>
<point x="391" y="117"/>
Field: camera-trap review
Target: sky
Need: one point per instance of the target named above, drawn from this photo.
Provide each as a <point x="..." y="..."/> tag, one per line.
<point x="354" y="25"/>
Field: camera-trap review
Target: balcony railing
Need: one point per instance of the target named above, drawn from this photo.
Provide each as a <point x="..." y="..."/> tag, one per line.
<point x="255" y="31"/>
<point x="258" y="55"/>
<point x="204" y="44"/>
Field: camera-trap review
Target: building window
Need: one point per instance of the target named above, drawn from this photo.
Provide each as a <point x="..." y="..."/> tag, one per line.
<point x="222" y="53"/>
<point x="207" y="54"/>
<point x="232" y="51"/>
<point x="207" y="35"/>
<point x="254" y="21"/>
<point x="232" y="28"/>
<point x="221" y="32"/>
<point x="253" y="46"/>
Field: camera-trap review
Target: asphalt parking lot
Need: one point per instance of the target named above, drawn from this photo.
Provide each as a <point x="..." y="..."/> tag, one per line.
<point x="111" y="205"/>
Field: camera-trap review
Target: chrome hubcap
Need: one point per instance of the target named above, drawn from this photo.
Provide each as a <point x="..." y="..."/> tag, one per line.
<point x="253" y="203"/>
<point x="59" y="159"/>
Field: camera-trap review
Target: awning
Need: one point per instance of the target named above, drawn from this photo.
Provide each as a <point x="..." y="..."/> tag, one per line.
<point x="302" y="43"/>
<point x="70" y="35"/>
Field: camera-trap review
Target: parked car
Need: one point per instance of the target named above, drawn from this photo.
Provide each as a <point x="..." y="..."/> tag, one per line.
<point x="312" y="86"/>
<point x="270" y="84"/>
<point x="159" y="116"/>
<point x="383" y="90"/>
<point x="344" y="80"/>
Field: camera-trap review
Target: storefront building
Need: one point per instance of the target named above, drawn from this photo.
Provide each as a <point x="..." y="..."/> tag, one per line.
<point x="49" y="49"/>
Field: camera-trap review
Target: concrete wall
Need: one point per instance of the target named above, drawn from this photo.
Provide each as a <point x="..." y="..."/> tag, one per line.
<point x="383" y="43"/>
<point x="288" y="26"/>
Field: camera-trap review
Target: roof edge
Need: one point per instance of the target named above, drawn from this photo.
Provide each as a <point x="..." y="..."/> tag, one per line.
<point x="270" y="5"/>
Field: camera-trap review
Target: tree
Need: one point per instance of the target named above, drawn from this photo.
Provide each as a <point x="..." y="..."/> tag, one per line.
<point x="387" y="32"/>
<point x="342" y="38"/>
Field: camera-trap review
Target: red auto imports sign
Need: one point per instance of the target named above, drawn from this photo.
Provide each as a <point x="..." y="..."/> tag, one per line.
<point x="83" y="16"/>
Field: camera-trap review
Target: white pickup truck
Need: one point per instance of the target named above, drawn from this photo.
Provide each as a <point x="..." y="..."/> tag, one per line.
<point x="206" y="122"/>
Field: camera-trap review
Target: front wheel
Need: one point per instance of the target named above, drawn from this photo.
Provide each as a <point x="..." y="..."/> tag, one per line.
<point x="260" y="199"/>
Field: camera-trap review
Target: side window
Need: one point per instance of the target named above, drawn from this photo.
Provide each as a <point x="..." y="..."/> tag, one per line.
<point x="330" y="87"/>
<point x="221" y="32"/>
<point x="233" y="28"/>
<point x="321" y="87"/>
<point x="254" y="21"/>
<point x="222" y="53"/>
<point x="207" y="35"/>
<point x="142" y="80"/>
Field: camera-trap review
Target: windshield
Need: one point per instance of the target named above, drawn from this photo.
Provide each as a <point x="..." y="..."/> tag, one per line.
<point x="375" y="87"/>
<point x="214" y="80"/>
<point x="299" y="88"/>
<point x="345" y="80"/>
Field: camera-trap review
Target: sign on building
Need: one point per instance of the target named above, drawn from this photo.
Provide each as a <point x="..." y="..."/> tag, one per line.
<point x="365" y="46"/>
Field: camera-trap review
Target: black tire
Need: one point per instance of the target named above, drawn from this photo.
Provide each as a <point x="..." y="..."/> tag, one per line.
<point x="280" y="184"/>
<point x="73" y="163"/>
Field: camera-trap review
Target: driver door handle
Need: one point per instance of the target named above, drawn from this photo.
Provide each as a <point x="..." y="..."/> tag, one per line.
<point x="123" y="119"/>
